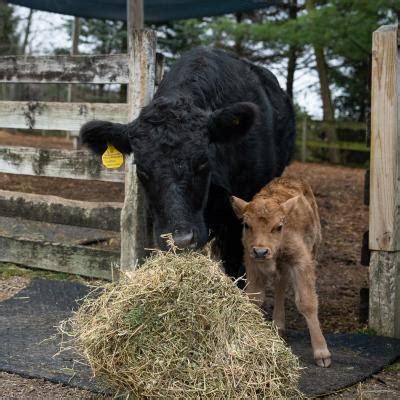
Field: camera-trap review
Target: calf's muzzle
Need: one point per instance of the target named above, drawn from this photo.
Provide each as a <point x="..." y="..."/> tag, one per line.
<point x="261" y="252"/>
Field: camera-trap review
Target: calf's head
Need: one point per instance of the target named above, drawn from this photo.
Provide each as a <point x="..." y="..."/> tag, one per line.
<point x="170" y="140"/>
<point x="263" y="225"/>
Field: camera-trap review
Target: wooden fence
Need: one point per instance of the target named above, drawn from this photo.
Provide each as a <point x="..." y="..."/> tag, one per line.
<point x="50" y="232"/>
<point x="309" y="132"/>
<point x="384" y="222"/>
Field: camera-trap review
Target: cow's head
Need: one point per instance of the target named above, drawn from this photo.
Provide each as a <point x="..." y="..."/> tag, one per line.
<point x="170" y="140"/>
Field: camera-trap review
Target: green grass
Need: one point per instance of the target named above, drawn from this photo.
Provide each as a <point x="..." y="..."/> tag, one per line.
<point x="8" y="270"/>
<point x="395" y="367"/>
<point x="366" y="331"/>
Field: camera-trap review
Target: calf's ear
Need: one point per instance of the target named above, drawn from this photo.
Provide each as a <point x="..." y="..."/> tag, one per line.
<point x="238" y="206"/>
<point x="97" y="134"/>
<point x="289" y="205"/>
<point x="232" y="122"/>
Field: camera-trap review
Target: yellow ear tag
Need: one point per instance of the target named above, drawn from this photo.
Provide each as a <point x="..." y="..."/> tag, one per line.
<point x="112" y="158"/>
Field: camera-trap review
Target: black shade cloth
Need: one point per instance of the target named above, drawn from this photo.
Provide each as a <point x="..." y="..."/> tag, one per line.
<point x="29" y="318"/>
<point x="155" y="11"/>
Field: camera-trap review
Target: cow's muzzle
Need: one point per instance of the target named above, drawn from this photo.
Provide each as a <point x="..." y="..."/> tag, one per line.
<point x="184" y="239"/>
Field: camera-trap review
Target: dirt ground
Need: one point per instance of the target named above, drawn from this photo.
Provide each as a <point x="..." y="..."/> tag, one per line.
<point x="344" y="218"/>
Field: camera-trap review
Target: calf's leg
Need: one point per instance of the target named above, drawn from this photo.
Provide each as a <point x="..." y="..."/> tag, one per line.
<point x="255" y="287"/>
<point x="280" y="284"/>
<point x="303" y="277"/>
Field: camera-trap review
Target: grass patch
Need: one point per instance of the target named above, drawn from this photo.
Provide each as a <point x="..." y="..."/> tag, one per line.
<point x="395" y="367"/>
<point x="9" y="270"/>
<point x="366" y="331"/>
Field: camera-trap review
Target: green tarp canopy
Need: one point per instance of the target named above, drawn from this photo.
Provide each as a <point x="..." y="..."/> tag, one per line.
<point x="155" y="11"/>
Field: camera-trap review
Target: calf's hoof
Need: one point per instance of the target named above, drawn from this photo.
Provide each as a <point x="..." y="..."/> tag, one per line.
<point x="322" y="358"/>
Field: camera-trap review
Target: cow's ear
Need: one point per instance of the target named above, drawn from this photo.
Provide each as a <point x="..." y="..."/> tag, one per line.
<point x="232" y="122"/>
<point x="97" y="134"/>
<point x="238" y="206"/>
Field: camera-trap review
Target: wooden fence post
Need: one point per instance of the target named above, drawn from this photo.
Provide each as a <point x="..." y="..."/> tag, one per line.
<point x="142" y="60"/>
<point x="384" y="217"/>
<point x="74" y="51"/>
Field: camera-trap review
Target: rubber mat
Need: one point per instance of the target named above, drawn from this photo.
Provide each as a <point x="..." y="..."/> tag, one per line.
<point x="28" y="345"/>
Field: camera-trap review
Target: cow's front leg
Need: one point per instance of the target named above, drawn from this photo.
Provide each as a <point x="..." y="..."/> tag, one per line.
<point x="303" y="277"/>
<point x="280" y="284"/>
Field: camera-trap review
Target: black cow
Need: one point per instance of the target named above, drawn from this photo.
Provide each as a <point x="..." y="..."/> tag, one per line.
<point x="217" y="126"/>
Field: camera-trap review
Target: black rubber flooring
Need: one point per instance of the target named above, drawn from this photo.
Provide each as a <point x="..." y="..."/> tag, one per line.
<point x="28" y="346"/>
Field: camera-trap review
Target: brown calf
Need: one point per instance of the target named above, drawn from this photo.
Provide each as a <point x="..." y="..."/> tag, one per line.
<point x="281" y="234"/>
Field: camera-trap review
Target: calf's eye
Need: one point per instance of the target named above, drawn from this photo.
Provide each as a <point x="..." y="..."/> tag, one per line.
<point x="246" y="226"/>
<point x="278" y="228"/>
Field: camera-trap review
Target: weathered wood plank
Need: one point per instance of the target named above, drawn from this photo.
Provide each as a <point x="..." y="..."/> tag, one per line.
<point x="59" y="257"/>
<point x="65" y="69"/>
<point x="384" y="227"/>
<point x="56" y="247"/>
<point x="384" y="293"/>
<point x="56" y="210"/>
<point x="135" y="236"/>
<point x="57" y="115"/>
<point x="56" y="163"/>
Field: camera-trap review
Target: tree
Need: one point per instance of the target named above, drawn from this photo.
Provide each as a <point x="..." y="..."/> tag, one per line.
<point x="8" y="35"/>
<point x="328" y="114"/>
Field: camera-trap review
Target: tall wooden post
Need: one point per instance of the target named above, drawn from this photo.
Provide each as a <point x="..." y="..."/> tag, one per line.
<point x="384" y="217"/>
<point x="141" y="57"/>
<point x="76" y="30"/>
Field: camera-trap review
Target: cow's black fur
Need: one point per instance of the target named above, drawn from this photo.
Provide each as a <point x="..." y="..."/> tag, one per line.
<point x="217" y="126"/>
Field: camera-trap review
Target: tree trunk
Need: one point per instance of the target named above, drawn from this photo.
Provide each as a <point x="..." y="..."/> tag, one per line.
<point x="326" y="96"/>
<point x="27" y="32"/>
<point x="292" y="59"/>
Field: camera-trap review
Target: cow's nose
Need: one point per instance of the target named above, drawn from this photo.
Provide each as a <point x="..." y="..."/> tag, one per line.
<point x="182" y="238"/>
<point x="261" y="252"/>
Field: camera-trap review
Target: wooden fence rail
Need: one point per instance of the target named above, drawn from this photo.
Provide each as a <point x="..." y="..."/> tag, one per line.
<point x="65" y="69"/>
<point x="58" y="115"/>
<point x="56" y="163"/>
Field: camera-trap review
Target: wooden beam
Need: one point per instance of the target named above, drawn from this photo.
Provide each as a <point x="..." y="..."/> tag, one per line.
<point x="56" y="163"/>
<point x="135" y="235"/>
<point x="57" y="210"/>
<point x="57" y="247"/>
<point x="59" y="257"/>
<point x="65" y="69"/>
<point x="384" y="226"/>
<point x="135" y="15"/>
<point x="159" y="69"/>
<point x="58" y="116"/>
<point x="384" y="229"/>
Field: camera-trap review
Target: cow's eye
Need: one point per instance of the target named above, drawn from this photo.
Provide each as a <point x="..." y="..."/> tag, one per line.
<point x="202" y="167"/>
<point x="142" y="175"/>
<point x="246" y="226"/>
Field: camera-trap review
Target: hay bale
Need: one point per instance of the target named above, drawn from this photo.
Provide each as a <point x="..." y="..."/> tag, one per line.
<point x="178" y="327"/>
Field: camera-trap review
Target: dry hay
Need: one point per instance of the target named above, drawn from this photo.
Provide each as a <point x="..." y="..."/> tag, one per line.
<point x="178" y="327"/>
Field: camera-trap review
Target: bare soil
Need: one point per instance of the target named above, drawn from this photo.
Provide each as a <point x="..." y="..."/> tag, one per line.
<point x="344" y="218"/>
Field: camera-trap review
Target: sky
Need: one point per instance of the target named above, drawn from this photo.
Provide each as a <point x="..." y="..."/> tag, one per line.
<point x="48" y="32"/>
